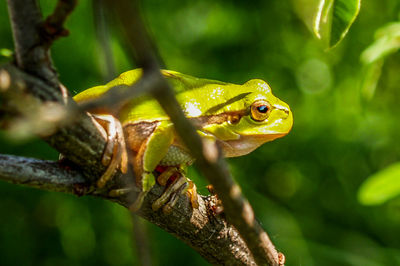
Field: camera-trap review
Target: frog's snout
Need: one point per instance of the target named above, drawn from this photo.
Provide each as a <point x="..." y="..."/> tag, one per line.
<point x="284" y="110"/>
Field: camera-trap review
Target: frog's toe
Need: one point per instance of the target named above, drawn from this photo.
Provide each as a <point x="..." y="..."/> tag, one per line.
<point x="114" y="154"/>
<point x="178" y="186"/>
<point x="171" y="189"/>
<point x="174" y="198"/>
<point x="138" y="202"/>
<point x="192" y="193"/>
<point x="191" y="190"/>
<point x="165" y="175"/>
<point x="115" y="193"/>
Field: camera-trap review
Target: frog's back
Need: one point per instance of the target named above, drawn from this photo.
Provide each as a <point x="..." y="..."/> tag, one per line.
<point x="197" y="96"/>
<point x="179" y="81"/>
<point x="146" y="108"/>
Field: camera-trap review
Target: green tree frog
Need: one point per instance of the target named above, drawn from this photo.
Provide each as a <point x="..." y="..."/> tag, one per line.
<point x="239" y="117"/>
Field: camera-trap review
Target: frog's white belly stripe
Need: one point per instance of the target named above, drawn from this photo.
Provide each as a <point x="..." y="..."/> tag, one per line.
<point x="242" y="146"/>
<point x="246" y="144"/>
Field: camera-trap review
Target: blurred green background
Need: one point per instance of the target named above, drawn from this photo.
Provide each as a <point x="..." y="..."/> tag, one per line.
<point x="304" y="187"/>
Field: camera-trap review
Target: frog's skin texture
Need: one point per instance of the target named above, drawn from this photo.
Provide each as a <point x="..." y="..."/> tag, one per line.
<point x="239" y="117"/>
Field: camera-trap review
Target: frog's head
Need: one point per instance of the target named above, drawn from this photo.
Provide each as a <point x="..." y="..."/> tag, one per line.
<point x="256" y="118"/>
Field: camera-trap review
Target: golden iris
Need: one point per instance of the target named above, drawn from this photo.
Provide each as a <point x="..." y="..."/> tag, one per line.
<point x="260" y="110"/>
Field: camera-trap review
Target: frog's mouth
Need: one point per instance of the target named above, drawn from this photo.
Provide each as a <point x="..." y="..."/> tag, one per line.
<point x="246" y="144"/>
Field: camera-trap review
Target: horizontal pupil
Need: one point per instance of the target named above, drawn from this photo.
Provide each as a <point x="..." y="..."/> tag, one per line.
<point x="262" y="109"/>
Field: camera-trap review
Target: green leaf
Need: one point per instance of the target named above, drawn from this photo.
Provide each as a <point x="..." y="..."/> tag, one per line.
<point x="381" y="186"/>
<point x="387" y="41"/>
<point x="371" y="74"/>
<point x="334" y="18"/>
<point x="6" y="52"/>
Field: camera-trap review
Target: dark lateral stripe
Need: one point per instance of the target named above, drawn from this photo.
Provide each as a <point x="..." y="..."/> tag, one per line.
<point x="201" y="121"/>
<point x="232" y="117"/>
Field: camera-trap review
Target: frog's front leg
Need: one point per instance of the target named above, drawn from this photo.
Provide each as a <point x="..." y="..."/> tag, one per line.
<point x="114" y="154"/>
<point x="152" y="146"/>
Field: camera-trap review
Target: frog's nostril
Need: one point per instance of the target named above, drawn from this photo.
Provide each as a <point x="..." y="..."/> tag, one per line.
<point x="285" y="111"/>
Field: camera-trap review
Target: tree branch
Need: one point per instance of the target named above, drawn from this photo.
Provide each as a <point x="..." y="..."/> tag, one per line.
<point x="40" y="174"/>
<point x="78" y="139"/>
<point x="210" y="235"/>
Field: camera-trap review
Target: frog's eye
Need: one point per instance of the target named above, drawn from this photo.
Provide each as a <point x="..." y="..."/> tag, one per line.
<point x="260" y="110"/>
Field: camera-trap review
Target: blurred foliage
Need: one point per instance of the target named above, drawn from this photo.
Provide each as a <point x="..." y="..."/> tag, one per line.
<point x="304" y="187"/>
<point x="387" y="41"/>
<point x="381" y="186"/>
<point x="334" y="18"/>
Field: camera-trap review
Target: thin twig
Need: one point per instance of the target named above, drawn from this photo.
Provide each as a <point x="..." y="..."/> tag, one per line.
<point x="30" y="52"/>
<point x="103" y="37"/>
<point x="53" y="27"/>
<point x="140" y="235"/>
<point x="238" y="210"/>
<point x="121" y="94"/>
